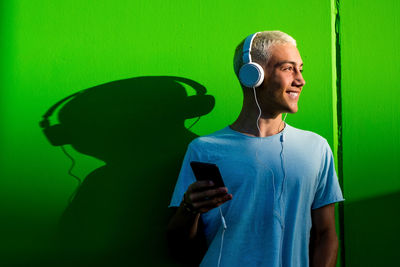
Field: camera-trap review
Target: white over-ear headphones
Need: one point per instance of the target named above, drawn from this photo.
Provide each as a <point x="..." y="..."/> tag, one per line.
<point x="251" y="74"/>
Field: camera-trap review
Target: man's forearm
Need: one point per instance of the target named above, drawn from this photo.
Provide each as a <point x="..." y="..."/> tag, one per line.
<point x="185" y="231"/>
<point x="184" y="224"/>
<point x="323" y="249"/>
<point x="185" y="240"/>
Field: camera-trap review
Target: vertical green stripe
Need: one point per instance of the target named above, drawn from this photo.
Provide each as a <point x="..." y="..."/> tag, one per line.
<point x="337" y="114"/>
<point x="334" y="79"/>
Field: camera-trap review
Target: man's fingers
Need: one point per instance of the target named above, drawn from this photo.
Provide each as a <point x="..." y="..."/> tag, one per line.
<point x="211" y="203"/>
<point x="201" y="196"/>
<point x="200" y="186"/>
<point x="208" y="194"/>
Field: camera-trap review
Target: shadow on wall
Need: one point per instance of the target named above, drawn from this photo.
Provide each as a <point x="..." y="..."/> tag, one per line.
<point x="136" y="126"/>
<point x="372" y="231"/>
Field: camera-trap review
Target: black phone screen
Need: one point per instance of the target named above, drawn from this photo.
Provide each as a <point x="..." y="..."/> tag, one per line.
<point x="207" y="171"/>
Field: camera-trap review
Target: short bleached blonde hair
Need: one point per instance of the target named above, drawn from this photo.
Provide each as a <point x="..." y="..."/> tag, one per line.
<point x="260" y="49"/>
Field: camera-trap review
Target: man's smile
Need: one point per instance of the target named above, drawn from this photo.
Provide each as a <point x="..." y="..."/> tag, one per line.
<point x="293" y="94"/>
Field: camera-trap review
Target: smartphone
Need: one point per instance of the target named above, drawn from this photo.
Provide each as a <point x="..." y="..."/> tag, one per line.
<point x="207" y="171"/>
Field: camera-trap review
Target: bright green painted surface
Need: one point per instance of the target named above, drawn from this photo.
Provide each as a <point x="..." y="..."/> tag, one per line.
<point x="56" y="48"/>
<point x="371" y="131"/>
<point x="370" y="101"/>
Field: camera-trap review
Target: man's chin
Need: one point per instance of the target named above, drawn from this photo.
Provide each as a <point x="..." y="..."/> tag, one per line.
<point x="292" y="109"/>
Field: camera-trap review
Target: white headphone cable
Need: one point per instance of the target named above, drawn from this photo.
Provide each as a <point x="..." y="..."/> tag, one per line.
<point x="222" y="236"/>
<point x="259" y="111"/>
<point x="282" y="158"/>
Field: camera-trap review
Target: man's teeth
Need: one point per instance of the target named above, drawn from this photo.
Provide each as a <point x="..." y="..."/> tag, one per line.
<point x="293" y="94"/>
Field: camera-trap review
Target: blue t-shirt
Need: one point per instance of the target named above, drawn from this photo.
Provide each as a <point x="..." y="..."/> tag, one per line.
<point x="275" y="182"/>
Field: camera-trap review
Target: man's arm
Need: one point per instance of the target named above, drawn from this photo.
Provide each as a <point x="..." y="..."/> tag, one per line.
<point x="323" y="240"/>
<point x="186" y="242"/>
<point x="184" y="233"/>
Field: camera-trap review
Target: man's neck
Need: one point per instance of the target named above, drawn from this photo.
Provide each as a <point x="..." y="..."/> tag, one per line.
<point x="269" y="124"/>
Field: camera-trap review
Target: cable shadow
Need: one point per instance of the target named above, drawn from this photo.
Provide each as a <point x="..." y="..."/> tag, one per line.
<point x="136" y="126"/>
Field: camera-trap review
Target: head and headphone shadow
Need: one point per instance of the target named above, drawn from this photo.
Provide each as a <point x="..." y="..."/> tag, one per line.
<point x="136" y="126"/>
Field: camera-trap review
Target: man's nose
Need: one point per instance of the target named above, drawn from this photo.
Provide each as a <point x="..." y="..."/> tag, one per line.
<point x="298" y="79"/>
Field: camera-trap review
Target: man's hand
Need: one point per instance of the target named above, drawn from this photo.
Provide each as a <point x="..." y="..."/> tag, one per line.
<point x="202" y="196"/>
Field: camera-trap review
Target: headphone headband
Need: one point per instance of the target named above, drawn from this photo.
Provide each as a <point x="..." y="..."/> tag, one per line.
<point x="247" y="48"/>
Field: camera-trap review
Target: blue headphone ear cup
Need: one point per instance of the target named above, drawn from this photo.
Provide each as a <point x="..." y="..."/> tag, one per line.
<point x="251" y="75"/>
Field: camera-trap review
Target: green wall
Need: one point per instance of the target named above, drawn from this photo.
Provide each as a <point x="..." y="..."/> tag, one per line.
<point x="371" y="131"/>
<point x="52" y="49"/>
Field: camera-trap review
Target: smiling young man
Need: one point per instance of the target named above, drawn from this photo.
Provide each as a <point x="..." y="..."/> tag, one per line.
<point x="277" y="208"/>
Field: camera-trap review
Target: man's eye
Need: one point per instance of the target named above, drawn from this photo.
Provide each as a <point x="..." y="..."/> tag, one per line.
<point x="301" y="71"/>
<point x="288" y="68"/>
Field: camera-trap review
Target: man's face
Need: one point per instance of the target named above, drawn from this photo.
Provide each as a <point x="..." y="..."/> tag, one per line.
<point x="283" y="82"/>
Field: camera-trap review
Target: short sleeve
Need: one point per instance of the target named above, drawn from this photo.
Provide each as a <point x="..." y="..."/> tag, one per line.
<point x="328" y="189"/>
<point x="185" y="178"/>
